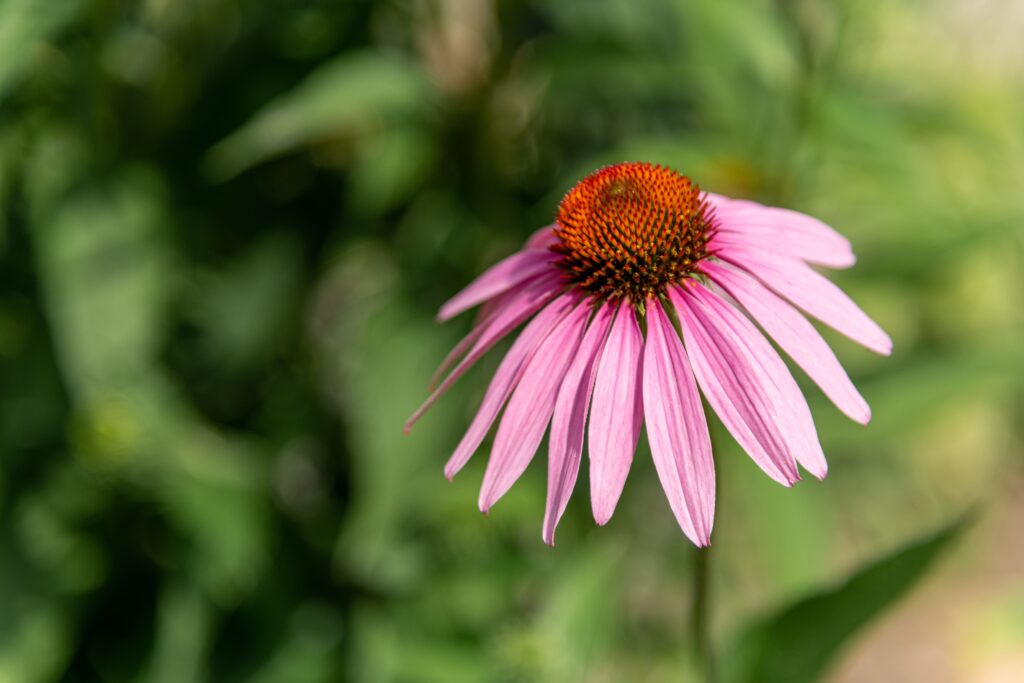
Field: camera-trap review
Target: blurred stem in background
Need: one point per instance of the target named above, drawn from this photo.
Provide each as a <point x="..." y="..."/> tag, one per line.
<point x="700" y="626"/>
<point x="225" y="226"/>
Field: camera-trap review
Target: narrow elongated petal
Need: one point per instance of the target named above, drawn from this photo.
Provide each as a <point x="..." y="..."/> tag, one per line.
<point x="813" y="293"/>
<point x="505" y="379"/>
<point x="565" y="444"/>
<point x="790" y="405"/>
<point x="795" y="335"/>
<point x="677" y="429"/>
<point x="616" y="414"/>
<point x="763" y="238"/>
<point x="485" y="316"/>
<point x="785" y="408"/>
<point x="460" y="349"/>
<point x="734" y="389"/>
<point x="529" y="410"/>
<point x="742" y="222"/>
<point x="519" y="308"/>
<point x="499" y="278"/>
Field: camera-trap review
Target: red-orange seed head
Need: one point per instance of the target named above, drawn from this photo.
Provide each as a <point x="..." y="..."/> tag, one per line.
<point x="629" y="229"/>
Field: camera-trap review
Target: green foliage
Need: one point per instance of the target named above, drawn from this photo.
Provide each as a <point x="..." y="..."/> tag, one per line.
<point x="343" y="100"/>
<point x="798" y="643"/>
<point x="225" y="228"/>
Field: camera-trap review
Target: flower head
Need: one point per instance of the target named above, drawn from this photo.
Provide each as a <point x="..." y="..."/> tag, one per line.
<point x="643" y="295"/>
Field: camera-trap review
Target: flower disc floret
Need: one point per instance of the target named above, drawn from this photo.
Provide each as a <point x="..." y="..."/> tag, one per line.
<point x="631" y="229"/>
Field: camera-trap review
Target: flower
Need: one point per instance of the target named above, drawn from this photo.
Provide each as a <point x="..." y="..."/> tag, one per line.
<point x="633" y="300"/>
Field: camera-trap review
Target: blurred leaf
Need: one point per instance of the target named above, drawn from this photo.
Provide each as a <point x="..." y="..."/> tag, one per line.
<point x="574" y="625"/>
<point x="38" y="650"/>
<point x="105" y="268"/>
<point x="588" y="20"/>
<point x="383" y="653"/>
<point x="12" y="150"/>
<point x="202" y="386"/>
<point x="244" y="307"/>
<point x="903" y="400"/>
<point x="351" y="95"/>
<point x="798" y="643"/>
<point x="308" y="653"/>
<point x="389" y="167"/>
<point x="182" y="637"/>
<point x="24" y="26"/>
<point x="376" y="344"/>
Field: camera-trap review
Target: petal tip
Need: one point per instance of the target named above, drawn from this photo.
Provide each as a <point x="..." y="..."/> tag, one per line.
<point x="863" y="417"/>
<point x="883" y="345"/>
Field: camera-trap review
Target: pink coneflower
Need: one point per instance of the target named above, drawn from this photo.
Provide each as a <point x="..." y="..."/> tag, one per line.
<point x="633" y="299"/>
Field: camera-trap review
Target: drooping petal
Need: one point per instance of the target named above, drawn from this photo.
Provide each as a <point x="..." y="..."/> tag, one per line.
<point x="677" y="429"/>
<point x="795" y="335"/>
<point x="565" y="444"/>
<point x="505" y="379"/>
<point x="499" y="278"/>
<point x="746" y="223"/>
<point x="484" y="317"/>
<point x="738" y="393"/>
<point x="616" y="413"/>
<point x="791" y="410"/>
<point x="529" y="410"/>
<point x="814" y="293"/>
<point x="520" y="307"/>
<point x="786" y="408"/>
<point x="460" y="349"/>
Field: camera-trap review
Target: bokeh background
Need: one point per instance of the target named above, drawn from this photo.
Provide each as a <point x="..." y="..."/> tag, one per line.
<point x="225" y="226"/>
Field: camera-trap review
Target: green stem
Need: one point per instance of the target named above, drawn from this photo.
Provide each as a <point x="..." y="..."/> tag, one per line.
<point x="699" y="617"/>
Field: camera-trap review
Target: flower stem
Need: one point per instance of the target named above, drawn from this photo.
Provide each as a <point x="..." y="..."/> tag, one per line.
<point x="699" y="617"/>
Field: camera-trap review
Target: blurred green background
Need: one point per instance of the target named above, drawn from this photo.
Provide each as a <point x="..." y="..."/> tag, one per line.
<point x="225" y="226"/>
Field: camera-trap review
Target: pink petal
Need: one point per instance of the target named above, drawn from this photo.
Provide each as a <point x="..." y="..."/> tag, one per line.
<point x="460" y="349"/>
<point x="791" y="411"/>
<point x="519" y="308"/>
<point x="529" y="410"/>
<point x="543" y="238"/>
<point x="484" y="317"/>
<point x="745" y="223"/>
<point x="677" y="429"/>
<point x="734" y="387"/>
<point x="719" y="202"/>
<point x="814" y="293"/>
<point x="498" y="278"/>
<point x="616" y="413"/>
<point x="795" y="335"/>
<point x="570" y="417"/>
<point x="763" y="239"/>
<point x="505" y="379"/>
